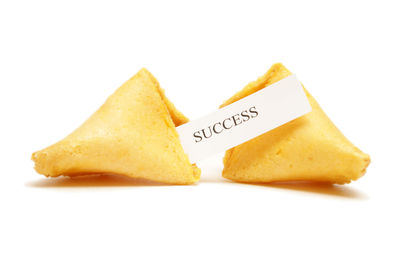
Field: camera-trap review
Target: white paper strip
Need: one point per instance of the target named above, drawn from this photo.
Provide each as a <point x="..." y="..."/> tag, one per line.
<point x="244" y="119"/>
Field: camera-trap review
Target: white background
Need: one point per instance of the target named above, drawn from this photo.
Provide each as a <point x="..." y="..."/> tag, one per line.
<point x="59" y="62"/>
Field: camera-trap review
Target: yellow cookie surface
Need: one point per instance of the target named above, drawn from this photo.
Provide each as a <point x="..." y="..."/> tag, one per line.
<point x="308" y="148"/>
<point x="132" y="134"/>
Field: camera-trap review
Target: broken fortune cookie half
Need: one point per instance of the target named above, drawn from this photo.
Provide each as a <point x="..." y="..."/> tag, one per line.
<point x="131" y="134"/>
<point x="309" y="148"/>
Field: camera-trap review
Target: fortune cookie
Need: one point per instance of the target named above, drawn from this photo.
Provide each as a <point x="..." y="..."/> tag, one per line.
<point x="131" y="134"/>
<point x="309" y="148"/>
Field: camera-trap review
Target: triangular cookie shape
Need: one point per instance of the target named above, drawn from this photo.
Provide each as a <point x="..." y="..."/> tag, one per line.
<point x="308" y="148"/>
<point x="132" y="134"/>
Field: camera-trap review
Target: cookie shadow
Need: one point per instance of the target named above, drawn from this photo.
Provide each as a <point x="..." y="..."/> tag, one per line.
<point x="320" y="188"/>
<point x="98" y="180"/>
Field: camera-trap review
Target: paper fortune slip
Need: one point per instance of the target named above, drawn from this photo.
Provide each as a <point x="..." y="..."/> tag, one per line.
<point x="244" y="119"/>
